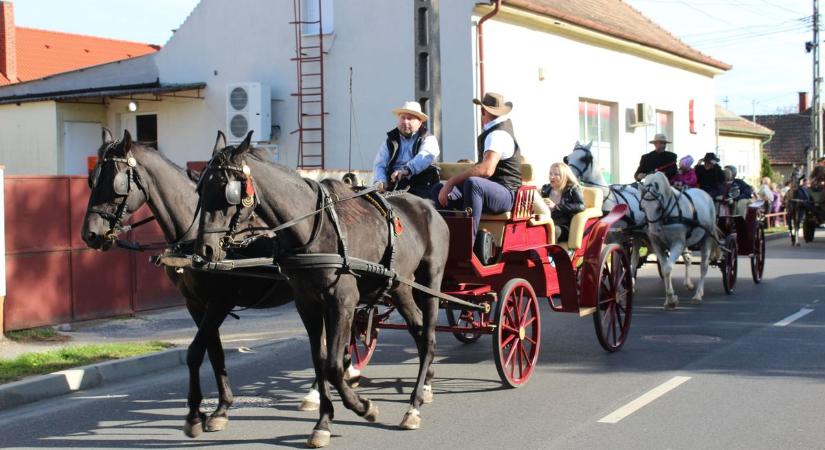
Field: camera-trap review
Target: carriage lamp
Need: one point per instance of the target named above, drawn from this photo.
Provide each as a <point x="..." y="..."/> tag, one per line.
<point x="133" y="106"/>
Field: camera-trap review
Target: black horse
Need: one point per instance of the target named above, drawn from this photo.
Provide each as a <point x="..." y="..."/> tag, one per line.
<point x="128" y="175"/>
<point x="327" y="296"/>
<point x="794" y="211"/>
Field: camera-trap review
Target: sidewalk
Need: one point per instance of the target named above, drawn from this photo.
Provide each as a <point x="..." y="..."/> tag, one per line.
<point x="255" y="327"/>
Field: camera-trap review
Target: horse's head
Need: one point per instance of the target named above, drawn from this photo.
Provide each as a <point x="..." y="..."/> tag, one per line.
<point x="655" y="194"/>
<point x="227" y="197"/>
<point x="117" y="191"/>
<point x="581" y="161"/>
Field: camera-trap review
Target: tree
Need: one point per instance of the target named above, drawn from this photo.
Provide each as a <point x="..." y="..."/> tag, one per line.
<point x="766" y="170"/>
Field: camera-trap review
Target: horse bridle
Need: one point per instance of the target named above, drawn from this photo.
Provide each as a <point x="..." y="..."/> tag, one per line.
<point x="588" y="164"/>
<point x="647" y="194"/>
<point x="241" y="194"/>
<point x="121" y="186"/>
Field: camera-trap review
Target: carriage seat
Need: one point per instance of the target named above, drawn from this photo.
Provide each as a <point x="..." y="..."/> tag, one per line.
<point x="593" y="199"/>
<point x="494" y="223"/>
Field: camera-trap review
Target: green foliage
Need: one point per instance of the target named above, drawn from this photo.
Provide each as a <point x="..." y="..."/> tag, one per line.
<point x="43" y="334"/>
<point x="72" y="356"/>
<point x="766" y="170"/>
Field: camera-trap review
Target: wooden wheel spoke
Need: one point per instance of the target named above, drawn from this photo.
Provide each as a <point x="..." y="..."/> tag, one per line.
<point x="505" y="341"/>
<point x="509" y="328"/>
<point x="511" y="353"/>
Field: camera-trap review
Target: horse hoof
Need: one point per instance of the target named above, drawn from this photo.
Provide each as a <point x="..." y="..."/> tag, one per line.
<point x="216" y="423"/>
<point x="411" y="420"/>
<point x="192" y="430"/>
<point x="354" y="382"/>
<point x="670" y="306"/>
<point x="696" y="301"/>
<point x="318" y="439"/>
<point x="427" y="395"/>
<point x="309" y="405"/>
<point x="372" y="412"/>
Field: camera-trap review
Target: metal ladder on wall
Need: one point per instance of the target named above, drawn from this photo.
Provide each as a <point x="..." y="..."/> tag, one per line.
<point x="309" y="61"/>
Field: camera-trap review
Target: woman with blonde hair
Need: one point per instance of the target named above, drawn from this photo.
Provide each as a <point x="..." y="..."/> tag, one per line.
<point x="564" y="198"/>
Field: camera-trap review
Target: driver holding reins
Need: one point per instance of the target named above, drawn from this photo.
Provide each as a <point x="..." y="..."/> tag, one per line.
<point x="658" y="160"/>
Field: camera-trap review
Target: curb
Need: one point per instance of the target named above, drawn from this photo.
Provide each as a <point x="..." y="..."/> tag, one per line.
<point x="86" y="377"/>
<point x="56" y="384"/>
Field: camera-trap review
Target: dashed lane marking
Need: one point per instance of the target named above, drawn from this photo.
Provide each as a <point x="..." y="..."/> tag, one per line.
<point x="790" y="319"/>
<point x="644" y="400"/>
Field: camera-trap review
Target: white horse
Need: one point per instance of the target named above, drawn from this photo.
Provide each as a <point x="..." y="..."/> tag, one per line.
<point x="586" y="168"/>
<point x="678" y="220"/>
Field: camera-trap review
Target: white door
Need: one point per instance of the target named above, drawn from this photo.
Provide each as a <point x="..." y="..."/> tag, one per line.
<point x="128" y="122"/>
<point x="80" y="140"/>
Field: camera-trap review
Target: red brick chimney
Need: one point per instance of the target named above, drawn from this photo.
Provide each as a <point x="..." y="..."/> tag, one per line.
<point x="8" y="43"/>
<point x="803" y="102"/>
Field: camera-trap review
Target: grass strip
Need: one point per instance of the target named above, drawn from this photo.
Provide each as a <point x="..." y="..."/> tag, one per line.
<point x="29" y="364"/>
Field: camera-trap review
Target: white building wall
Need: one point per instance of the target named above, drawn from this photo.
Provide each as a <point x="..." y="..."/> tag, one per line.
<point x="28" y="138"/>
<point x="252" y="40"/>
<point x="546" y="112"/>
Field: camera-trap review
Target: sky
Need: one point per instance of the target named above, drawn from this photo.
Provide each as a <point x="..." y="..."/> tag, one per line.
<point x="764" y="40"/>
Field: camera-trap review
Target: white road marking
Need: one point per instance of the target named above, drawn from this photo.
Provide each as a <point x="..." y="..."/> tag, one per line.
<point x="644" y="400"/>
<point x="790" y="319"/>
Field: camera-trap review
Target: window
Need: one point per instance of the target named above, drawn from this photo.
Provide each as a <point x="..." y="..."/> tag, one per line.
<point x="664" y="124"/>
<point x="310" y="13"/>
<point x="597" y="122"/>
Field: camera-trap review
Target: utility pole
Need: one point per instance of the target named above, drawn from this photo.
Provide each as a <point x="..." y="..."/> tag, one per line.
<point x="816" y="111"/>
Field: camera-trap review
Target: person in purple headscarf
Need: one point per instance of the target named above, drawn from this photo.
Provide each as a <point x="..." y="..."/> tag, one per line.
<point x="686" y="177"/>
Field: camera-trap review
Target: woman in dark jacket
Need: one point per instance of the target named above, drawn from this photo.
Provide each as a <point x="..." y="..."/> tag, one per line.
<point x="564" y="197"/>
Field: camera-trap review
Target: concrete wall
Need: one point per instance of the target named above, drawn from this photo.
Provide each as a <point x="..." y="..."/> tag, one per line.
<point x="29" y="138"/>
<point x="744" y="153"/>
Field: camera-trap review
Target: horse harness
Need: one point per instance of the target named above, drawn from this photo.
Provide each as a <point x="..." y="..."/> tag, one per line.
<point x="341" y="261"/>
<point x="667" y="219"/>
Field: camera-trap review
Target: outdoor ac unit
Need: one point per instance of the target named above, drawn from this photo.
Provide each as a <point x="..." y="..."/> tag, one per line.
<point x="248" y="109"/>
<point x="645" y="114"/>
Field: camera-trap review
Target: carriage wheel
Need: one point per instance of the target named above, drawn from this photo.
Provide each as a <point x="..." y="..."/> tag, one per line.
<point x="730" y="264"/>
<point x="360" y="351"/>
<point x="809" y="227"/>
<point x="518" y="332"/>
<point x="758" y="256"/>
<point x="614" y="299"/>
<point x="459" y="318"/>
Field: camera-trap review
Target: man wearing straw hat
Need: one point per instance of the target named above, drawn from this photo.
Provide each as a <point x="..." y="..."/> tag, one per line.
<point x="490" y="184"/>
<point x="406" y="158"/>
<point x="658" y="160"/>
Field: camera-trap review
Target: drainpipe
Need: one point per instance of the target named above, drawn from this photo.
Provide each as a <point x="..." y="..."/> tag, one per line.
<point x="480" y="37"/>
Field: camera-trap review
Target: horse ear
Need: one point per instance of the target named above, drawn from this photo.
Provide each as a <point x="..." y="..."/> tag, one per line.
<point x="578" y="144"/>
<point x="127" y="141"/>
<point x="589" y="144"/>
<point x="220" y="143"/>
<point x="243" y="147"/>
<point x="106" y="136"/>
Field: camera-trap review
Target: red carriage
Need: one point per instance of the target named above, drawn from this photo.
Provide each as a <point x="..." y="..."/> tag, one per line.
<point x="583" y="275"/>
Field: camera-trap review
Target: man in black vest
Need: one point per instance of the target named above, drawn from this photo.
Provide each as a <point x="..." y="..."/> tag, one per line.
<point x="406" y="158"/>
<point x="488" y="186"/>
<point x="710" y="176"/>
<point x="658" y="160"/>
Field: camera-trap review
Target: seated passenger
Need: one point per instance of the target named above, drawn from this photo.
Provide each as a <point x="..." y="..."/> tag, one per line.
<point x="736" y="192"/>
<point x="490" y="185"/>
<point x="564" y="197"/>
<point x="406" y="157"/>
<point x="686" y="178"/>
<point x="710" y="176"/>
<point x="765" y="193"/>
<point x="818" y="176"/>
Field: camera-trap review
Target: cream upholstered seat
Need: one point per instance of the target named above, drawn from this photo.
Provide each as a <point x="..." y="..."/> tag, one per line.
<point x="593" y="199"/>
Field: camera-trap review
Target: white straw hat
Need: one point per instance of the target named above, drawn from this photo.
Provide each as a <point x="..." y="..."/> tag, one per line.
<point x="413" y="108"/>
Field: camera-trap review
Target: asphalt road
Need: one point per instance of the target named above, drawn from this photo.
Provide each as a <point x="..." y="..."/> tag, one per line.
<point x="742" y="371"/>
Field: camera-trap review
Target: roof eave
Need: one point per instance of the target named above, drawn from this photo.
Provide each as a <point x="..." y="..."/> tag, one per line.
<point x="534" y="16"/>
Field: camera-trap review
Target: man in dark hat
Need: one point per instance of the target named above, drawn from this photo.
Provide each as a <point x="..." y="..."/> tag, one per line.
<point x="710" y="176"/>
<point x="489" y="185"/>
<point x="658" y="160"/>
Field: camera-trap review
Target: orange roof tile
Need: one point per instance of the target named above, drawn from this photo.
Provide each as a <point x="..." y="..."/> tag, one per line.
<point x="41" y="53"/>
<point x="617" y="18"/>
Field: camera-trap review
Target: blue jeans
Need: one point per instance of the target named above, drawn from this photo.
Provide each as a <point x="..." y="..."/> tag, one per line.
<point x="480" y="194"/>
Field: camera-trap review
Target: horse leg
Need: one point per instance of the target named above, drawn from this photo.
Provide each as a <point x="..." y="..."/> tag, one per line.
<point x="220" y="417"/>
<point x="421" y="325"/>
<point x="207" y="331"/>
<point x="313" y="320"/>
<point x="338" y="325"/>
<point x="687" y="258"/>
<point x="664" y="263"/>
<point x="704" y="263"/>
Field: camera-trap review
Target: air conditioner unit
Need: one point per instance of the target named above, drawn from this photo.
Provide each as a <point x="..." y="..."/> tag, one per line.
<point x="645" y="114"/>
<point x="248" y="109"/>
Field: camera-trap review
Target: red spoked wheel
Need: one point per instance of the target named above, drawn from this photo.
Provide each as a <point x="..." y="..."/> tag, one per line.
<point x="517" y="336"/>
<point x="730" y="264"/>
<point x="614" y="298"/>
<point x="472" y="319"/>
<point x="361" y="348"/>
<point x="758" y="256"/>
